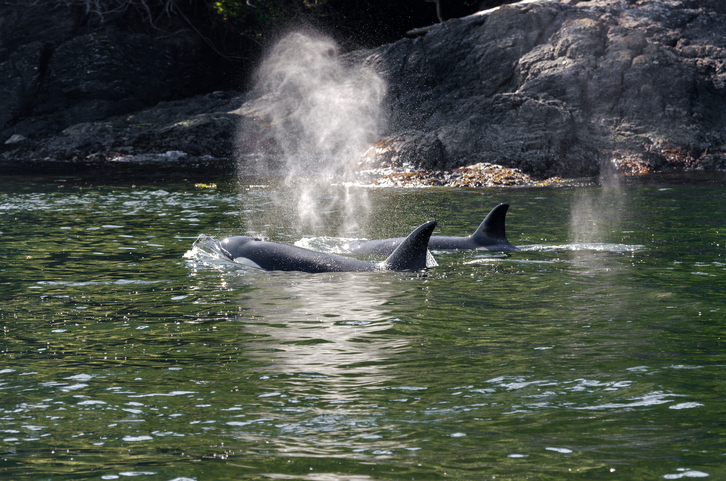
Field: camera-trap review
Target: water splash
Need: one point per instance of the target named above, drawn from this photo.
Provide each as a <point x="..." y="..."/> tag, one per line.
<point x="595" y="216"/>
<point x="597" y="213"/>
<point x="583" y="247"/>
<point x="322" y="110"/>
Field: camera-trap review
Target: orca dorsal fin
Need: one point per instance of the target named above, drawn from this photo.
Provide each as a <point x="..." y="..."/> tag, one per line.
<point x="410" y="255"/>
<point x="492" y="227"/>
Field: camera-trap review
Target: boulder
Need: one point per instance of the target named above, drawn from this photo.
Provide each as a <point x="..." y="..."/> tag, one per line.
<point x="559" y="89"/>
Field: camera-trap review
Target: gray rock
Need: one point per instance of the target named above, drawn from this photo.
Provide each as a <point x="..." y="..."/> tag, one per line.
<point x="200" y="127"/>
<point x="553" y="89"/>
<point x="15" y="139"/>
<point x="57" y="68"/>
<point x="556" y="89"/>
<point x="550" y="88"/>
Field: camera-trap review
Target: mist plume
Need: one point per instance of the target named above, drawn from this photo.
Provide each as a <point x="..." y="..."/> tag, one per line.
<point x="322" y="110"/>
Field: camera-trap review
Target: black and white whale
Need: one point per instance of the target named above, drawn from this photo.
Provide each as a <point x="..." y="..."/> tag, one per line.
<point x="408" y="256"/>
<point x="490" y="236"/>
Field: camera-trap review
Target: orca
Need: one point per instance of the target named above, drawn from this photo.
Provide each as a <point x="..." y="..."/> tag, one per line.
<point x="410" y="255"/>
<point x="490" y="236"/>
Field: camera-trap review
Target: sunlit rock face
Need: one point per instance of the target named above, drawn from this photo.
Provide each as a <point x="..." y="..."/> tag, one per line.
<point x="561" y="89"/>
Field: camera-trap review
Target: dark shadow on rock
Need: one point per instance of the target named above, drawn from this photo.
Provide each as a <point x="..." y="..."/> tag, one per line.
<point x="58" y="69"/>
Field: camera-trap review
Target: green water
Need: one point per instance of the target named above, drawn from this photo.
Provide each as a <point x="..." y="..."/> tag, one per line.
<point x="594" y="353"/>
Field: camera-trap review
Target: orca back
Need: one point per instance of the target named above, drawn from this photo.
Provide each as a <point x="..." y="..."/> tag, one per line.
<point x="383" y="247"/>
<point x="273" y="256"/>
<point x="490" y="235"/>
<point x="411" y="254"/>
<point x="491" y="232"/>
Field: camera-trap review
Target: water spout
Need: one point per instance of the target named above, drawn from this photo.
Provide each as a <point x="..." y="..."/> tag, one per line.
<point x="322" y="110"/>
<point x="596" y="217"/>
<point x="596" y="214"/>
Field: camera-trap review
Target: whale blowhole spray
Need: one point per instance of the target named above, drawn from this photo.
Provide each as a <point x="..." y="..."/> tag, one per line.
<point x="321" y="110"/>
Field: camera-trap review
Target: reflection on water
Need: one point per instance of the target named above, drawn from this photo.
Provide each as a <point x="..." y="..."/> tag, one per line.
<point x="320" y="340"/>
<point x="324" y="326"/>
<point x="320" y="477"/>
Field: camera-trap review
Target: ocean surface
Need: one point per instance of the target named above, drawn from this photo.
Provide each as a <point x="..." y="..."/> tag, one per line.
<point x="129" y="350"/>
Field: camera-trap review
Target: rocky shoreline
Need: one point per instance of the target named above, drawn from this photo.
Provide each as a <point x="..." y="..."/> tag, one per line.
<point x="534" y="93"/>
<point x="195" y="134"/>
